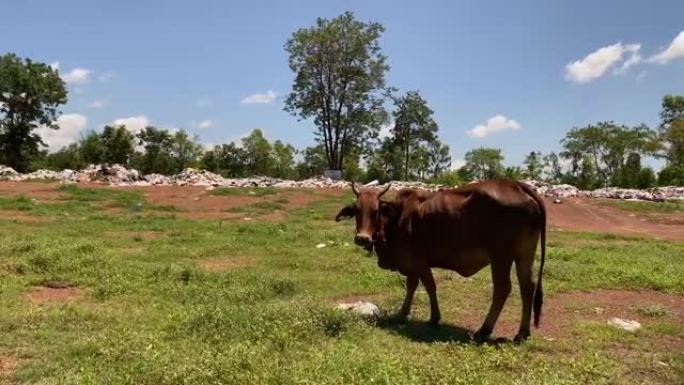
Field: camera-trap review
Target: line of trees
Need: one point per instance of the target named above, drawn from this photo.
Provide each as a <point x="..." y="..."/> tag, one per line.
<point x="339" y="83"/>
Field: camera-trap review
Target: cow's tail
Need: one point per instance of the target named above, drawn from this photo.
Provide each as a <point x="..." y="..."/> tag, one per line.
<point x="538" y="293"/>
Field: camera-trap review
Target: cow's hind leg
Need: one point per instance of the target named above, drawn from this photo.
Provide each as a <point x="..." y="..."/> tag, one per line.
<point x="523" y="268"/>
<point x="411" y="285"/>
<point x="431" y="288"/>
<point x="501" y="280"/>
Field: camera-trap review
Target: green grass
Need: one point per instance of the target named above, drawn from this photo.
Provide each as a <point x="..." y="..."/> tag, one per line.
<point x="674" y="206"/>
<point x="149" y="314"/>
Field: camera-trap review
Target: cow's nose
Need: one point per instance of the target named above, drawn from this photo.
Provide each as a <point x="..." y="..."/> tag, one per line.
<point x="363" y="240"/>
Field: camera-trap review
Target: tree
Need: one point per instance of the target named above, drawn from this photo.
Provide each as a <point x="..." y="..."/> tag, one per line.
<point x="313" y="162"/>
<point x="413" y="126"/>
<point x="555" y="171"/>
<point x="118" y="145"/>
<point x="629" y="174"/>
<point x="483" y="163"/>
<point x="91" y="148"/>
<point x="534" y="165"/>
<point x="608" y="144"/>
<point x="672" y="129"/>
<point x="339" y="82"/>
<point x="283" y="160"/>
<point x="513" y="172"/>
<point x="670" y="176"/>
<point x="438" y="158"/>
<point x="185" y="151"/>
<point x="587" y="178"/>
<point x="646" y="178"/>
<point x="227" y="159"/>
<point x="259" y="160"/>
<point x="30" y="95"/>
<point x="68" y="157"/>
<point x="156" y="157"/>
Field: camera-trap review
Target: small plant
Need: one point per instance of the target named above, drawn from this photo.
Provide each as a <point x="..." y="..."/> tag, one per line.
<point x="654" y="311"/>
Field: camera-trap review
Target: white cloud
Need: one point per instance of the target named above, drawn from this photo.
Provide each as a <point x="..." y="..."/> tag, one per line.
<point x="494" y="124"/>
<point x="77" y="76"/>
<point x="674" y="51"/>
<point x="206" y="124"/>
<point x="70" y="127"/>
<point x="634" y="59"/>
<point x="268" y="97"/>
<point x="97" y="103"/>
<point x="595" y="64"/>
<point x="457" y="163"/>
<point x="204" y="102"/>
<point x="134" y="124"/>
<point x="105" y="77"/>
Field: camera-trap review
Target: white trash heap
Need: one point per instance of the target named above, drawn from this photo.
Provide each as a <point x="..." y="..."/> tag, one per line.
<point x="118" y="175"/>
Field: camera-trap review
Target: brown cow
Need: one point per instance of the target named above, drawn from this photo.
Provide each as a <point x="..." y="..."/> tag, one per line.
<point x="464" y="229"/>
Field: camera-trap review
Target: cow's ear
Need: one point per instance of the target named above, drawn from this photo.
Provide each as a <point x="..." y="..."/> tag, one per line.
<point x="389" y="210"/>
<point x="346" y="212"/>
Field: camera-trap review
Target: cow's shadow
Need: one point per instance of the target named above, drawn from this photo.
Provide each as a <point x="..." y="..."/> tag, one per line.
<point x="421" y="331"/>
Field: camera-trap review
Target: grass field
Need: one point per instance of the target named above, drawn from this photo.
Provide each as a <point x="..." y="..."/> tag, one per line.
<point x="159" y="299"/>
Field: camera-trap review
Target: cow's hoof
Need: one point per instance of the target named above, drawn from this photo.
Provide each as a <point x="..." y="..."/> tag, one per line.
<point x="521" y="337"/>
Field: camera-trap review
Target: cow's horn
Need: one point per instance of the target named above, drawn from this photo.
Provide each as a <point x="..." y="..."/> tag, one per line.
<point x="385" y="190"/>
<point x="354" y="189"/>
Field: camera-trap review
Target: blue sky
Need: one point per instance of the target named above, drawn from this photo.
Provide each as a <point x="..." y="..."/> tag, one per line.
<point x="524" y="71"/>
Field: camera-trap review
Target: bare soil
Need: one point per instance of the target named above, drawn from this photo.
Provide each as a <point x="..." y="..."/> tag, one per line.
<point x="581" y="214"/>
<point x="194" y="202"/>
<point x="43" y="295"/>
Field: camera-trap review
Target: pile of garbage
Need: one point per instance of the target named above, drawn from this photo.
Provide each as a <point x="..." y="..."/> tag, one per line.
<point x="118" y="175"/>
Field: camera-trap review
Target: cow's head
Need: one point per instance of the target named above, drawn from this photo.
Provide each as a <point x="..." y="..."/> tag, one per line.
<point x="368" y="211"/>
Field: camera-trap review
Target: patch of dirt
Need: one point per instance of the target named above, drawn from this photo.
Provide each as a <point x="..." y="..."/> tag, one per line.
<point x="581" y="214"/>
<point x="54" y="294"/>
<point x="41" y="191"/>
<point x="7" y="366"/>
<point x="21" y="216"/>
<point x="562" y="312"/>
<point x="225" y="264"/>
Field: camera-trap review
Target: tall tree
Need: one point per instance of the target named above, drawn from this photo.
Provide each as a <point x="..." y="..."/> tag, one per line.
<point x="609" y="145"/>
<point x="339" y="82"/>
<point x="156" y="157"/>
<point x="313" y="162"/>
<point x="118" y="145"/>
<point x="534" y="165"/>
<point x="554" y="170"/>
<point x="413" y="126"/>
<point x="483" y="163"/>
<point x="91" y="148"/>
<point x="259" y="159"/>
<point x="672" y="129"/>
<point x="30" y="95"/>
<point x="283" y="159"/>
<point x="438" y="158"/>
<point x="185" y="150"/>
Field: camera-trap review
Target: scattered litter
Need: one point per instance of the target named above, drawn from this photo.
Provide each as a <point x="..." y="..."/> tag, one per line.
<point x="247" y="219"/>
<point x="320" y="245"/>
<point x="599" y="310"/>
<point x="118" y="175"/>
<point x="362" y="308"/>
<point x="629" y="325"/>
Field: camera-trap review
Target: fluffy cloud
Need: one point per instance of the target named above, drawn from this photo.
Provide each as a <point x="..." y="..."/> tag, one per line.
<point x="598" y="62"/>
<point x="268" y="97"/>
<point x="494" y="124"/>
<point x="70" y="127"/>
<point x="97" y="103"/>
<point x="206" y="124"/>
<point x="634" y="59"/>
<point x="134" y="124"/>
<point x="77" y="76"/>
<point x="674" y="51"/>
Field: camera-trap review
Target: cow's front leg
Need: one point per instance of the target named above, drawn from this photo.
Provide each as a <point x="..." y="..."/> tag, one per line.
<point x="411" y="285"/>
<point x="429" y="283"/>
